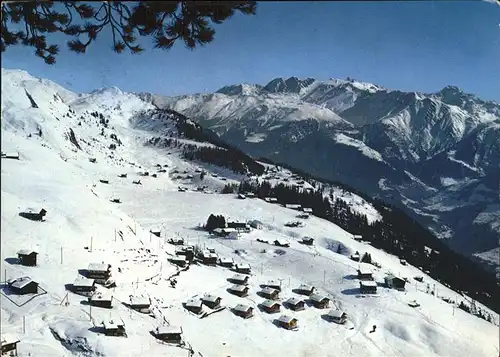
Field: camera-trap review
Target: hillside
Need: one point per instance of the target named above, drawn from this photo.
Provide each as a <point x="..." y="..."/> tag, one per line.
<point x="423" y="152"/>
<point x="71" y="144"/>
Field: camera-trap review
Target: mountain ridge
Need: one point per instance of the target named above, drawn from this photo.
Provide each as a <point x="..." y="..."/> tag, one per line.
<point x="419" y="135"/>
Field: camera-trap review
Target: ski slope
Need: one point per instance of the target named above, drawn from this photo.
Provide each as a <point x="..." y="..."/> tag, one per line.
<point x="81" y="224"/>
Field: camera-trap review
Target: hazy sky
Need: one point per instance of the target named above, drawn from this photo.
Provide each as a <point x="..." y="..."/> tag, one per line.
<point x="420" y="46"/>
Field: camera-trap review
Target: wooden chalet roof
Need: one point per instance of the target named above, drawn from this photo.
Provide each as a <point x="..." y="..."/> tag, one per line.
<point x="20" y="282"/>
<point x="239" y="277"/>
<point x="112" y="324"/>
<point x="318" y="297"/>
<point x="294" y="301"/>
<point x="239" y="288"/>
<point x="269" y="303"/>
<point x="242" y="308"/>
<point x="83" y="281"/>
<point x="98" y="267"/>
<point x="102" y="296"/>
<point x="210" y="298"/>
<point x="140" y="300"/>
<point x="226" y="260"/>
<point x="268" y="290"/>
<point x="364" y="271"/>
<point x="194" y="303"/>
<point x="368" y="284"/>
<point x="306" y="287"/>
<point x="286" y="319"/>
<point x="335" y="313"/>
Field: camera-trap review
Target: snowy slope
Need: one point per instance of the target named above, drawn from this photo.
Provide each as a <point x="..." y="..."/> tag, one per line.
<point x="410" y="140"/>
<point x="81" y="226"/>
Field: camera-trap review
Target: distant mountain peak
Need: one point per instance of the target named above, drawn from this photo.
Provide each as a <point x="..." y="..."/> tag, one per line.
<point x="240" y="89"/>
<point x="451" y="88"/>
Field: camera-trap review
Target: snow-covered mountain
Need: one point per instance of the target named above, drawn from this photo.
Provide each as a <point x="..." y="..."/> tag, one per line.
<point x="435" y="154"/>
<point x="79" y="155"/>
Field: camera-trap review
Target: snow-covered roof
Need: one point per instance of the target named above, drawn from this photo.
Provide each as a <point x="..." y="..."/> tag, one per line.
<point x="268" y="290"/>
<point x="155" y="230"/>
<point x="413" y="303"/>
<point x="168" y="330"/>
<point x="307" y="209"/>
<point x="335" y="313"/>
<point x="8" y="338"/>
<point x="243" y="266"/>
<point x="272" y="283"/>
<point x="368" y="283"/>
<point x="208" y="254"/>
<point x="392" y="276"/>
<point x="83" y="281"/>
<point x="271" y="199"/>
<point x="102" y="296"/>
<point x="20" y="282"/>
<point x="225" y="230"/>
<point x="112" y="324"/>
<point x="364" y="271"/>
<point x="317" y="297"/>
<point x="26" y="252"/>
<point x="293" y="205"/>
<point x="306" y="287"/>
<point x="242" y="308"/>
<point x="226" y="260"/>
<point x="210" y="298"/>
<point x="178" y="258"/>
<point x="294" y="301"/>
<point x="139" y="300"/>
<point x="239" y="277"/>
<point x="98" y="267"/>
<point x="269" y="303"/>
<point x="194" y="303"/>
<point x="239" y="288"/>
<point x="286" y="319"/>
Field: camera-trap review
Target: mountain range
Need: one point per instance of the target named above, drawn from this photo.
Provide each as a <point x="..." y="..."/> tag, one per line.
<point x="436" y="155"/>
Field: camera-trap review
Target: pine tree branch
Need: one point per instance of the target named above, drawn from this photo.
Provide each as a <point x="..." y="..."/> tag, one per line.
<point x="165" y="21"/>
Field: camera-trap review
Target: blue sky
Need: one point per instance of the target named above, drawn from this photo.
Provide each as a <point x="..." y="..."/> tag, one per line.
<point x="418" y="45"/>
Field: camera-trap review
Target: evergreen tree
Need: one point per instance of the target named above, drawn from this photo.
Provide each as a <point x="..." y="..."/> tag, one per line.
<point x="367" y="258"/>
<point x="214" y="222"/>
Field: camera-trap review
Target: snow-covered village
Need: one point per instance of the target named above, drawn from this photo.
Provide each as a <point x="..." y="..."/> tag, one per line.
<point x="129" y="229"/>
